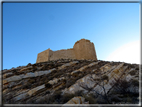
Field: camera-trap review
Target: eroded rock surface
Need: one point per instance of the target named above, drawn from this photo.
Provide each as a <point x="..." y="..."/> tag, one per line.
<point x="62" y="79"/>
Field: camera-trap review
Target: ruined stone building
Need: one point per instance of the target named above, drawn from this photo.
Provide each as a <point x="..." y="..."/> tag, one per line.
<point x="40" y="83"/>
<point x="82" y="49"/>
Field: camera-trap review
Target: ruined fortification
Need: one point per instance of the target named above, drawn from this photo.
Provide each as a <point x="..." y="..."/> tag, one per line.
<point x="82" y="49"/>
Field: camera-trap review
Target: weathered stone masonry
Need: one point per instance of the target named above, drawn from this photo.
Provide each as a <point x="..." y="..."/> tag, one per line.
<point x="82" y="49"/>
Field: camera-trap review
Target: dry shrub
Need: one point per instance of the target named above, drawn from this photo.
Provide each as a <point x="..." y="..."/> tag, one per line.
<point x="100" y="100"/>
<point x="133" y="72"/>
<point x="135" y="82"/>
<point x="127" y="89"/>
<point x="121" y="85"/>
<point x="56" y="96"/>
<point x="66" y="97"/>
<point x="58" y="73"/>
<point x="137" y="68"/>
<point x="31" y="81"/>
<point x="79" y="93"/>
<point x="115" y="98"/>
<point x="47" y="85"/>
<point x="91" y="98"/>
<point x="27" y="85"/>
<point x="104" y="77"/>
<point x="51" y="98"/>
<point x="70" y="82"/>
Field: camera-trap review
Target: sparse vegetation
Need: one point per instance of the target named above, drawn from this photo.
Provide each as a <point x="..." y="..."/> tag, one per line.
<point x="31" y="81"/>
<point x="137" y="68"/>
<point x="121" y="85"/>
<point x="79" y="93"/>
<point x="66" y="97"/>
<point x="47" y="85"/>
<point x="135" y="82"/>
<point x="121" y="91"/>
<point x="69" y="83"/>
<point x="26" y="85"/>
<point x="126" y="89"/>
<point x="133" y="72"/>
<point x="104" y="77"/>
<point x="91" y="89"/>
<point x="91" y="98"/>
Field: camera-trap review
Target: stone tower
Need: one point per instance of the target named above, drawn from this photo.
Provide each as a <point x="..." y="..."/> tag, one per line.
<point x="82" y="49"/>
<point x="44" y="55"/>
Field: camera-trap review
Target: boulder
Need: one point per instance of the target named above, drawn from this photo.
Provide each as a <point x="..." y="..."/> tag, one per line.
<point x="67" y="64"/>
<point x="26" y="68"/>
<point x="21" y="96"/>
<point x="84" y="67"/>
<point x="32" y="91"/>
<point x="76" y="100"/>
<point x="13" y="78"/>
<point x="7" y="74"/>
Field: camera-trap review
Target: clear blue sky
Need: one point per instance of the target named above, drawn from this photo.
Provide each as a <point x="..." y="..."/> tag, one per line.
<point x="30" y="28"/>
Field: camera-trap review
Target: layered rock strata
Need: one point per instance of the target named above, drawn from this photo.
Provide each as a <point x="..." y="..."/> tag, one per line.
<point x="32" y="83"/>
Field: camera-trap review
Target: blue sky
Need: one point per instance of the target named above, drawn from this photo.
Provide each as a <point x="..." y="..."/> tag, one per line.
<point x="30" y="28"/>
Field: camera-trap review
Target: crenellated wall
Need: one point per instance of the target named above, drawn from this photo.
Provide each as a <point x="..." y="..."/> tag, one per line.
<point x="82" y="49"/>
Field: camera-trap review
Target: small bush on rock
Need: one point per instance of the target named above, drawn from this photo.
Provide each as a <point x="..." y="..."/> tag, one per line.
<point x="79" y="93"/>
<point x="66" y="97"/>
<point x="104" y="77"/>
<point x="70" y="82"/>
<point x="47" y="85"/>
<point x="133" y="72"/>
<point x="91" y="99"/>
<point x="135" y="82"/>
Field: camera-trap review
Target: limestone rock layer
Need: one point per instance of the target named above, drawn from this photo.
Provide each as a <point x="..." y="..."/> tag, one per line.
<point x="58" y="81"/>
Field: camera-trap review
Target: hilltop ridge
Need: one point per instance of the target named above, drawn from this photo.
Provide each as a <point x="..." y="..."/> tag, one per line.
<point x="64" y="79"/>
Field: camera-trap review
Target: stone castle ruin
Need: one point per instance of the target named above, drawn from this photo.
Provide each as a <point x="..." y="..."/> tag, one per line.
<point x="82" y="49"/>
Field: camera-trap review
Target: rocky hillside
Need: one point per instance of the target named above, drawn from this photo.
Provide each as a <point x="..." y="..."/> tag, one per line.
<point x="68" y="81"/>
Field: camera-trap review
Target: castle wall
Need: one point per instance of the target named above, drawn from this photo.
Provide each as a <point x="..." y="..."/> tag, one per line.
<point x="44" y="56"/>
<point x="82" y="49"/>
<point x="65" y="54"/>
